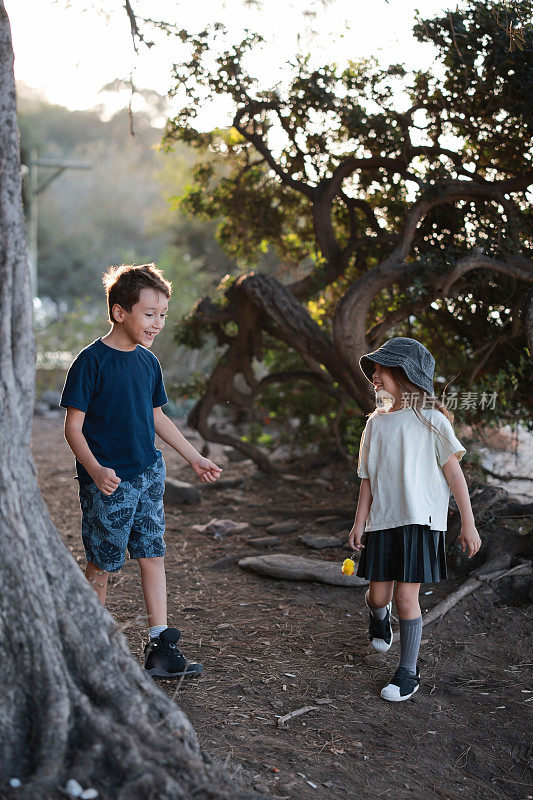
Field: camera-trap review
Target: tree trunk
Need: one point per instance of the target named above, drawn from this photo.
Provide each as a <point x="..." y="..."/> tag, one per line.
<point x="74" y="703"/>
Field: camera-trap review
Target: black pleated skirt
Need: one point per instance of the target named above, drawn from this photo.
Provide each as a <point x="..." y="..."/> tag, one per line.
<point x="410" y="553"/>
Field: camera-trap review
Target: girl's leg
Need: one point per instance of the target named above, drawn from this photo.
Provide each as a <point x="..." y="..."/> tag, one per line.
<point x="408" y="608"/>
<point x="98" y="579"/>
<point x="154" y="589"/>
<point x="406" y="600"/>
<point x="379" y="594"/>
<point x="378" y="600"/>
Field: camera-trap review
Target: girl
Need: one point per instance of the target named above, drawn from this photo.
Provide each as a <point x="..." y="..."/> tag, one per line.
<point x="408" y="461"/>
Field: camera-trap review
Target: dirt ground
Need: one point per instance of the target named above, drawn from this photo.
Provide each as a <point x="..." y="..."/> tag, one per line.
<point x="270" y="647"/>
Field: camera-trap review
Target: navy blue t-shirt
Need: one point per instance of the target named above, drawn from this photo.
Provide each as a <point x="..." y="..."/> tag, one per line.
<point x="118" y="391"/>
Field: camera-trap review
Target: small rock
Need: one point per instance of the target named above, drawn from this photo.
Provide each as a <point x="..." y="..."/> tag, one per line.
<point x="325" y="520"/>
<point x="262" y="522"/>
<point x="327" y="784"/>
<point x="40" y="409"/>
<point x="51" y="398"/>
<point x="234" y="456"/>
<point x="223" y="483"/>
<point x="281" y="453"/>
<point x="374" y="659"/>
<point x="181" y="493"/>
<point x="318" y="542"/>
<point x="264" y="541"/>
<point x="289" y="526"/>
<point x="343" y="526"/>
<point x="221" y="527"/>
<point x="88" y="794"/>
<point x="286" y="788"/>
<point x="73" y="788"/>
<point x="262" y="787"/>
<point x="258" y="475"/>
<point x="287" y="476"/>
<point x="15" y="783"/>
<point x="233" y="497"/>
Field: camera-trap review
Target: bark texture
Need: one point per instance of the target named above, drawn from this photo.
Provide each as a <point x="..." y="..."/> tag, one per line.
<point x="74" y="703"/>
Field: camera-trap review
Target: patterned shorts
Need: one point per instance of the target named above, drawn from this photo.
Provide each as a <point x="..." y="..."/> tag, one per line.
<point x="132" y="517"/>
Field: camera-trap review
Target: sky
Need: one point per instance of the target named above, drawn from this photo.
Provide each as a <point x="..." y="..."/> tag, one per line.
<point x="70" y="49"/>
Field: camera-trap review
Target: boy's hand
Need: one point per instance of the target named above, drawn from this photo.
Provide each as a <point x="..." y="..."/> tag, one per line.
<point x="106" y="479"/>
<point x="206" y="470"/>
<point x="355" y="538"/>
<point x="470" y="540"/>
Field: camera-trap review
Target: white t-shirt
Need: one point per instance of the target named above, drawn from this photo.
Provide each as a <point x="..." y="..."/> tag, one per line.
<point x="404" y="459"/>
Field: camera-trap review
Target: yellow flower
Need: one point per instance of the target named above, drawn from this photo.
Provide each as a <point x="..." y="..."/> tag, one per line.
<point x="348" y="566"/>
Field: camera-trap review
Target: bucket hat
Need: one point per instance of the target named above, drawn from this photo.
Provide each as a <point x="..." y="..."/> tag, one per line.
<point x="408" y="354"/>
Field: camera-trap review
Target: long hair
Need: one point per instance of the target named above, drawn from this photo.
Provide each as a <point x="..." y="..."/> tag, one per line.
<point x="417" y="398"/>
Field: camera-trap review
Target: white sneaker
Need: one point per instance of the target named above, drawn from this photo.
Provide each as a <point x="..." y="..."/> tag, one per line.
<point x="403" y="686"/>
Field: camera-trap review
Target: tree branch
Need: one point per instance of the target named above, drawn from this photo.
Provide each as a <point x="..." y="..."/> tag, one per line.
<point x="134" y="27"/>
<point x="350" y="165"/>
<point x="377" y="332"/>
<point x="349" y="324"/>
<point x="489" y="351"/>
<point x="207" y="313"/>
<point x="252" y="108"/>
<point x="528" y="321"/>
<point x="320" y="379"/>
<point x="480" y="261"/>
<point x="364" y="206"/>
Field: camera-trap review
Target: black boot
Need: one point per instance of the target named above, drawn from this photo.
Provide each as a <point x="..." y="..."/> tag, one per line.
<point x="164" y="660"/>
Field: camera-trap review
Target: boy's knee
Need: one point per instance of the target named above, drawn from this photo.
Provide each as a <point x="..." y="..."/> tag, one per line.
<point x="153" y="563"/>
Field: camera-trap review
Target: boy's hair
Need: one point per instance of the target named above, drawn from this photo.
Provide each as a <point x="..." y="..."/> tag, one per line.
<point x="123" y="285"/>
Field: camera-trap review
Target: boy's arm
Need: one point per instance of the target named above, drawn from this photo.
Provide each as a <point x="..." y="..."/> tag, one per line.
<point x="104" y="477"/>
<point x="363" y="508"/>
<point x="206" y="470"/>
<point x="469" y="537"/>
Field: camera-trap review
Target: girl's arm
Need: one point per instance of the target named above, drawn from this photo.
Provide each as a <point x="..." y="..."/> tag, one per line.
<point x="363" y="508"/>
<point x="166" y="430"/>
<point x="469" y="537"/>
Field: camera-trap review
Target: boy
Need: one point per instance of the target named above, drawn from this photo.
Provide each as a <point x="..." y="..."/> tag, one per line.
<point x="113" y="394"/>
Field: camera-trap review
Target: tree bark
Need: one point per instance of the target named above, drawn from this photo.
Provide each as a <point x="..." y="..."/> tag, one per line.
<point x="74" y="702"/>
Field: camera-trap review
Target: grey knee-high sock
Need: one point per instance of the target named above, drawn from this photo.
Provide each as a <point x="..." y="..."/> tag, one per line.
<point x="410" y="636"/>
